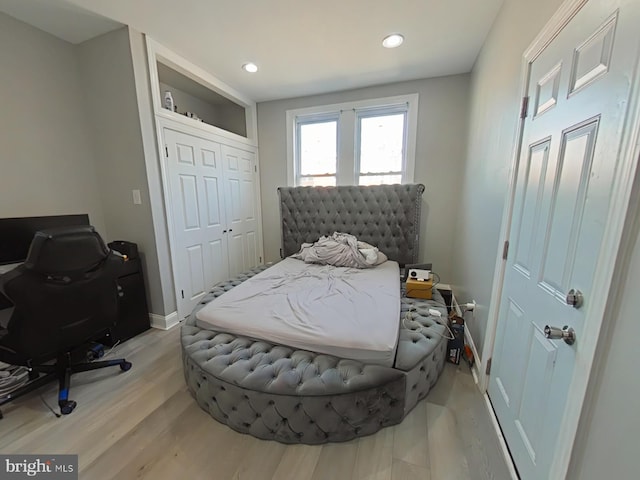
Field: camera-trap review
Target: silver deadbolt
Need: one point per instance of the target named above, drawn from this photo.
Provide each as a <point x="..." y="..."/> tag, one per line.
<point x="565" y="333"/>
<point x="575" y="298"/>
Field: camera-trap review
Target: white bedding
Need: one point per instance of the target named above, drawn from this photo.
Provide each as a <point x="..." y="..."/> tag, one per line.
<point x="341" y="250"/>
<point x="346" y="312"/>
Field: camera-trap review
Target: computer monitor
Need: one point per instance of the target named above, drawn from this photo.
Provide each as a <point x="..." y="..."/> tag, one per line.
<point x="16" y="233"/>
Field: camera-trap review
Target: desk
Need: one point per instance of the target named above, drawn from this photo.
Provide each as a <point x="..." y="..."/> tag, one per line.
<point x="5" y="315"/>
<point x="133" y="315"/>
<point x="8" y="267"/>
<point x="6" y="307"/>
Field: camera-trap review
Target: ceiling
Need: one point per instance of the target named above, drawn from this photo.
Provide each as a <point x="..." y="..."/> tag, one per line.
<point x="302" y="47"/>
<point x="62" y="19"/>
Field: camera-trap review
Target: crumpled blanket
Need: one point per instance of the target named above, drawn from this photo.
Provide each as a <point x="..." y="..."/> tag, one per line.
<point x="341" y="250"/>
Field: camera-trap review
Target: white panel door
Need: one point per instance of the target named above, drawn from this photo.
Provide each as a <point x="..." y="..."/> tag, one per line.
<point x="197" y="197"/>
<point x="578" y="92"/>
<point x="241" y="195"/>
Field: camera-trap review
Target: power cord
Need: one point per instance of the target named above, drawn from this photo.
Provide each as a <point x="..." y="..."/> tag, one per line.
<point x="435" y="282"/>
<point x="464" y="307"/>
<point x="101" y="356"/>
<point x="49" y="407"/>
<point x="111" y="349"/>
<point x="432" y="313"/>
<point x="12" y="377"/>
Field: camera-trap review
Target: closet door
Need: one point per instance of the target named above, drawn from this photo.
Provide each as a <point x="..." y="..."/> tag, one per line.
<point x="241" y="207"/>
<point x="197" y="196"/>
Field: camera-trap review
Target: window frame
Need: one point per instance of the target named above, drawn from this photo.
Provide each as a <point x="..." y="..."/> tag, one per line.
<point x="380" y="112"/>
<point x="310" y="120"/>
<point x="348" y="114"/>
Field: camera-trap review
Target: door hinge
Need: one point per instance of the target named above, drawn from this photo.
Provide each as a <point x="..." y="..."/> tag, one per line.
<point x="281" y="253"/>
<point x="255" y="168"/>
<point x="182" y="292"/>
<point x="260" y="261"/>
<point x="524" y="110"/>
<point x="505" y="250"/>
<point x="488" y="369"/>
<point x="166" y="151"/>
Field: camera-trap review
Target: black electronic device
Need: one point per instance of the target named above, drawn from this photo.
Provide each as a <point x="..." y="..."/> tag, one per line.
<point x="16" y="233"/>
<point x="455" y="345"/>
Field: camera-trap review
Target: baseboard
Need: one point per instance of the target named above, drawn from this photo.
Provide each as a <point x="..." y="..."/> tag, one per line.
<point x="164" y="322"/>
<point x="503" y="443"/>
<point x="477" y="364"/>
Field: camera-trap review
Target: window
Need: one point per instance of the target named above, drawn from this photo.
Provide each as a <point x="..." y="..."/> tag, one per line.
<point x="357" y="143"/>
<point x="317" y="147"/>
<point x="380" y="144"/>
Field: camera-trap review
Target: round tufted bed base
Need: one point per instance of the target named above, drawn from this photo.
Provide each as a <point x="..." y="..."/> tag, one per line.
<point x="279" y="393"/>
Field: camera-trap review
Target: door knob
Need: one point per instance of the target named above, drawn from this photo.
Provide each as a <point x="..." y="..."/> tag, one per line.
<point x="575" y="298"/>
<point x="565" y="333"/>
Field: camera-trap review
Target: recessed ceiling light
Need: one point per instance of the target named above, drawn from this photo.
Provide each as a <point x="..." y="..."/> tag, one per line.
<point x="250" y="67"/>
<point x="392" y="41"/>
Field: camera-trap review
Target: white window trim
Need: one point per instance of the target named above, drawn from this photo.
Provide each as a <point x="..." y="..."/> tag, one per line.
<point x="347" y="142"/>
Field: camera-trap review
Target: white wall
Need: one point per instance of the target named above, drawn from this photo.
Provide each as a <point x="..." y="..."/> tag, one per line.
<point x="440" y="150"/>
<point x="46" y="163"/>
<point x="106" y="72"/>
<point x="495" y="104"/>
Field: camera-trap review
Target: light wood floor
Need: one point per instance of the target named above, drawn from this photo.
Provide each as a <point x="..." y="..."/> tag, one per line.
<point x="144" y="424"/>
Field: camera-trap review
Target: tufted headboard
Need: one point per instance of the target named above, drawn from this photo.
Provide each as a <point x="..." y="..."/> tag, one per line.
<point x="387" y="216"/>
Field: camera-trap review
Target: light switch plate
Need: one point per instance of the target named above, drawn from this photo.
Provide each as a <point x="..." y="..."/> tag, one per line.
<point x="137" y="199"/>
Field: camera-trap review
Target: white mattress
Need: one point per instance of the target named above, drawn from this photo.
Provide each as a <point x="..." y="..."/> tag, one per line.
<point x="346" y="312"/>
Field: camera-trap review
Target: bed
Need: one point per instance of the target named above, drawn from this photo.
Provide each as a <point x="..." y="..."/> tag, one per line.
<point x="256" y="378"/>
<point x="345" y="312"/>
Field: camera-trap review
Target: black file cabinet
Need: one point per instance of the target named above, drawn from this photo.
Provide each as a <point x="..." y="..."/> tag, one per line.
<point x="133" y="314"/>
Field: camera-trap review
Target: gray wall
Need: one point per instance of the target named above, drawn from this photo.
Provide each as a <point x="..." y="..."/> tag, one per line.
<point x="47" y="164"/>
<point x="165" y="289"/>
<point x="606" y="444"/>
<point x="71" y="137"/>
<point x="440" y="150"/>
<point x="228" y="117"/>
<point x="106" y="72"/>
<point x="188" y="103"/>
<point x="495" y="103"/>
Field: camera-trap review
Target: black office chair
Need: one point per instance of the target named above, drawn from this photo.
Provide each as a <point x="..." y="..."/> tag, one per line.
<point x="65" y="296"/>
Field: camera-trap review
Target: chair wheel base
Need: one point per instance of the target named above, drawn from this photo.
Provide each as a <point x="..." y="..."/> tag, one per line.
<point x="125" y="366"/>
<point x="67" y="407"/>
